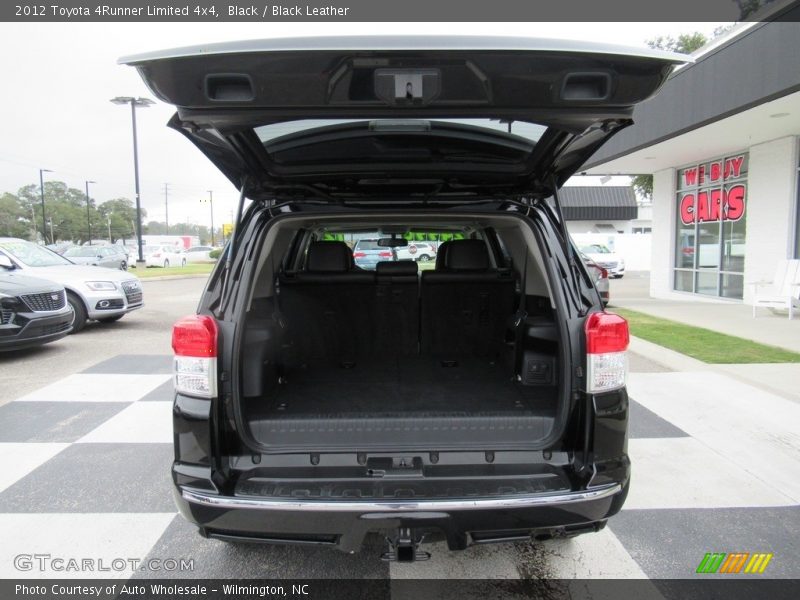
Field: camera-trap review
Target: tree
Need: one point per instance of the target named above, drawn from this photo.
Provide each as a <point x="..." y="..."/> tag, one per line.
<point x="643" y="186"/>
<point x="118" y="214"/>
<point x="685" y="43"/>
<point x="14" y="220"/>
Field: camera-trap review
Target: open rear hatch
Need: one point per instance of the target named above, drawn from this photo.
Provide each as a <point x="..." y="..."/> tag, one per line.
<point x="293" y="118"/>
<point x="418" y="123"/>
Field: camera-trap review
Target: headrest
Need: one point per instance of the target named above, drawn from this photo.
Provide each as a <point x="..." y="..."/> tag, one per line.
<point x="398" y="267"/>
<point x="329" y="257"/>
<point x="467" y="255"/>
<point x="441" y="255"/>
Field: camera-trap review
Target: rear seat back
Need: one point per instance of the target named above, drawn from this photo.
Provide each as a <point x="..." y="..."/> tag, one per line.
<point x="466" y="304"/>
<point x="397" y="308"/>
<point x="329" y="307"/>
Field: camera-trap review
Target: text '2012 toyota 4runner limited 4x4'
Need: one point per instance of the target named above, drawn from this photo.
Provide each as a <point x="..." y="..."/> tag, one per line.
<point x="482" y="399"/>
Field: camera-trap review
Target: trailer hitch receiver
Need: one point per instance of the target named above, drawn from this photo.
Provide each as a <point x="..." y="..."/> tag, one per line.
<point x="404" y="547"/>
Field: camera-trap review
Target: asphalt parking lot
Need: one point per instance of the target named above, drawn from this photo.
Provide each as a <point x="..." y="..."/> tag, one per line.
<point x="87" y="442"/>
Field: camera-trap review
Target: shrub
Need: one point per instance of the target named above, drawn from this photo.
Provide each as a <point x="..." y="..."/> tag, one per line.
<point x="215" y="253"/>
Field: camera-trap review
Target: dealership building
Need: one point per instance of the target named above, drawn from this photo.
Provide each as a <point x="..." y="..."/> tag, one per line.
<point x="721" y="140"/>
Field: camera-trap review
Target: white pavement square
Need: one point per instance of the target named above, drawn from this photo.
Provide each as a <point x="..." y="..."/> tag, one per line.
<point x="85" y="387"/>
<point x="758" y="431"/>
<point x="103" y="538"/>
<point x="19" y="459"/>
<point x="684" y="473"/>
<point x="139" y="423"/>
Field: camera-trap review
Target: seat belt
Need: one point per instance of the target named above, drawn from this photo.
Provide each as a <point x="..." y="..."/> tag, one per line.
<point x="520" y="319"/>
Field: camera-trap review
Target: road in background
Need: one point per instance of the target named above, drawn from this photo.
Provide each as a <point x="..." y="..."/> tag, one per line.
<point x="144" y="331"/>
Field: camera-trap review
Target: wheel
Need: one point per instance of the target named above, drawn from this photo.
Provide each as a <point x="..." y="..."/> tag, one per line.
<point x="183" y="262"/>
<point x="123" y="266"/>
<point x="110" y="319"/>
<point x="166" y="263"/>
<point x="78" y="312"/>
<point x="424" y="258"/>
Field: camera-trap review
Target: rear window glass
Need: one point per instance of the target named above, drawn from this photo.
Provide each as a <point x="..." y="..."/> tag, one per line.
<point x="529" y="131"/>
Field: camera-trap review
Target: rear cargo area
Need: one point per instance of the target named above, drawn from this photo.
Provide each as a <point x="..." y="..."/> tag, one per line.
<point x="397" y="359"/>
<point x="404" y="402"/>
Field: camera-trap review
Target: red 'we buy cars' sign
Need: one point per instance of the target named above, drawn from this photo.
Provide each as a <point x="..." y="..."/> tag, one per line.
<point x="717" y="202"/>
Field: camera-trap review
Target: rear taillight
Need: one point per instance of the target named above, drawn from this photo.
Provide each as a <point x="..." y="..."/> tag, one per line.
<point x="603" y="273"/>
<point x="359" y="254"/>
<point x="607" y="340"/>
<point x="194" y="341"/>
<point x="385" y="254"/>
<point x="157" y="255"/>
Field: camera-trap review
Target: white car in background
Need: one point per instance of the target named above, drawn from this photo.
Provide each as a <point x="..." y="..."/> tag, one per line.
<point x="605" y="258"/>
<point x="199" y="254"/>
<point x="419" y="251"/>
<point x="164" y="256"/>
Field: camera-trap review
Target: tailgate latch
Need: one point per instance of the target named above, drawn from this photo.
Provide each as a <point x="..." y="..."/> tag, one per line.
<point x="399" y="87"/>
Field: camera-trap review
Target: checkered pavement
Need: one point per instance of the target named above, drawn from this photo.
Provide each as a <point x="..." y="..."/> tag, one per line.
<point x="716" y="468"/>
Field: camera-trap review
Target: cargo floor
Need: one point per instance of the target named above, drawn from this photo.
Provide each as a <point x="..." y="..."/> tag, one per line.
<point x="402" y="403"/>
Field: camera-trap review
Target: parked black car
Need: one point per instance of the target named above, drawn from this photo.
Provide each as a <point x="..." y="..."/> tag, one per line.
<point x="484" y="400"/>
<point x="32" y="311"/>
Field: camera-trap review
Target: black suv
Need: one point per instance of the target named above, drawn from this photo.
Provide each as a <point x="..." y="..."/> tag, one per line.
<point x="483" y="399"/>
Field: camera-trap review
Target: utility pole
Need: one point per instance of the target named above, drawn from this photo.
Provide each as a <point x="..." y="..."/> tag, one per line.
<point x="88" y="215"/>
<point x="211" y="203"/>
<point x="166" y="207"/>
<point x="41" y="189"/>
<point x="108" y="218"/>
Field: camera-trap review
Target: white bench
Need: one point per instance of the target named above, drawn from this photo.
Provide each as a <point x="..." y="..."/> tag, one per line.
<point x="783" y="292"/>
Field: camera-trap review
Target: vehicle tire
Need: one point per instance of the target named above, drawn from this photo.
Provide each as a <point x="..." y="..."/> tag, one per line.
<point x="123" y="266"/>
<point x="183" y="262"/>
<point x="166" y="263"/>
<point x="79" y="312"/>
<point x="424" y="258"/>
<point x="113" y="319"/>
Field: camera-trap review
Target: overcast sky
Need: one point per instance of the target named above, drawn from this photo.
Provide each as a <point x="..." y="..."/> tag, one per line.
<point x="59" y="77"/>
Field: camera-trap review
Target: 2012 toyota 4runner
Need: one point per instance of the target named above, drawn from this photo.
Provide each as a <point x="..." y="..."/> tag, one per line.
<point x="482" y="399"/>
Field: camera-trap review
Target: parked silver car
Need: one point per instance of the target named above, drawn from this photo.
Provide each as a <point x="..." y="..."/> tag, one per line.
<point x="113" y="257"/>
<point x="103" y="295"/>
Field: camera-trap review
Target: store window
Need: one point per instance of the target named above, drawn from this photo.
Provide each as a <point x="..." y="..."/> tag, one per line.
<point x="710" y="233"/>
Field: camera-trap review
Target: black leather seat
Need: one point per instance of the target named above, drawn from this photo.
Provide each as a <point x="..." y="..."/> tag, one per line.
<point x="329" y="306"/>
<point x="465" y="304"/>
<point x="397" y="308"/>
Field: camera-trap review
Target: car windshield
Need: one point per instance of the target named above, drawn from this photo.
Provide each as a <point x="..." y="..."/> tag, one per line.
<point x="82" y="251"/>
<point x="33" y="255"/>
<point x="595" y="249"/>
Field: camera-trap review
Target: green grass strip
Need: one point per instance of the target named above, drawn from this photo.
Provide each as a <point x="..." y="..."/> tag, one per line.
<point x="703" y="344"/>
<point x="192" y="269"/>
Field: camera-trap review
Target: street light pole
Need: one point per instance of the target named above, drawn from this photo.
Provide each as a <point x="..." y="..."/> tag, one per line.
<point x="41" y="189"/>
<point x="144" y="103"/>
<point x="211" y="202"/>
<point x="88" y="213"/>
<point x="108" y="218"/>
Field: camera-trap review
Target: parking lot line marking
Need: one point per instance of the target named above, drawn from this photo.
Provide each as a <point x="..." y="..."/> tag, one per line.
<point x="758" y="430"/>
<point x="141" y="422"/>
<point x="107" y="540"/>
<point x="704" y="478"/>
<point x="95" y="387"/>
<point x="20" y="458"/>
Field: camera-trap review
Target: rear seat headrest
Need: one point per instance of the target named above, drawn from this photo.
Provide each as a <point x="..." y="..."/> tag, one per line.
<point x="467" y="255"/>
<point x="329" y="257"/>
<point x="400" y="267"/>
<point x="441" y="255"/>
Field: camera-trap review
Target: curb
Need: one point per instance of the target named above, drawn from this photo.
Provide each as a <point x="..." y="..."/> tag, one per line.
<point x="676" y="361"/>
